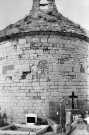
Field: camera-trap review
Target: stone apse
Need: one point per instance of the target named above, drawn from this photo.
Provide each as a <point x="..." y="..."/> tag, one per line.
<point x="43" y="59"/>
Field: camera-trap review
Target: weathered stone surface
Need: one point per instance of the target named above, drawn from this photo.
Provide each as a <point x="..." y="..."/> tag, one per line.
<point x="43" y="58"/>
<point x="37" y="77"/>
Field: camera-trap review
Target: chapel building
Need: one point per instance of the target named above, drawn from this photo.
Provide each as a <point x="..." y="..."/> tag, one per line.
<point x="43" y="58"/>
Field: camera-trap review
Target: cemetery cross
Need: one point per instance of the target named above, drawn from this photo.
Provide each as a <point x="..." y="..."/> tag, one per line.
<point x="73" y="96"/>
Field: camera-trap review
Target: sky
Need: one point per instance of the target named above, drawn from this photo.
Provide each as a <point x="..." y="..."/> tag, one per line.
<point x="12" y="11"/>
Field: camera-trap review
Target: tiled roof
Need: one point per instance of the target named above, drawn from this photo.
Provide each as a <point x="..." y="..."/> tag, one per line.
<point x="39" y="20"/>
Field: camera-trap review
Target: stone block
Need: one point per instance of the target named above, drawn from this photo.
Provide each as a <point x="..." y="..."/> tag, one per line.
<point x="27" y="84"/>
<point x="56" y="68"/>
<point x="37" y="97"/>
<point x="6" y="68"/>
<point x="55" y="94"/>
<point x="20" y="84"/>
<point x="56" y="128"/>
<point x="52" y="51"/>
<point x="33" y="55"/>
<point x="25" y="67"/>
<point x="44" y="40"/>
<point x="27" y="46"/>
<point x="36" y="40"/>
<point x="44" y="94"/>
<point x="39" y="51"/>
<point x="61" y="51"/>
<point x="7" y="44"/>
<point x="82" y="69"/>
<point x="19" y="52"/>
<point x="35" y="84"/>
<point x="19" y="94"/>
<point x="68" y="69"/>
<point x="33" y="94"/>
<point x="22" y="41"/>
<point x="52" y="40"/>
<point x="77" y="68"/>
<point x="32" y="51"/>
<point x="28" y="39"/>
<point x="43" y="83"/>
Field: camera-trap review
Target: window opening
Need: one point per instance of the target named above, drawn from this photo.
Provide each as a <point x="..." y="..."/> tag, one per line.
<point x="43" y="4"/>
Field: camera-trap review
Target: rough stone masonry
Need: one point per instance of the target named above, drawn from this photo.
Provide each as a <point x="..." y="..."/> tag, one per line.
<point x="43" y="58"/>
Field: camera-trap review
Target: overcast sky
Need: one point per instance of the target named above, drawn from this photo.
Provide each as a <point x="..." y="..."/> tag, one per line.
<point x="13" y="10"/>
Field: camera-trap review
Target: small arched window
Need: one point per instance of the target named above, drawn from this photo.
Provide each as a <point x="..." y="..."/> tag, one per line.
<point x="43" y="4"/>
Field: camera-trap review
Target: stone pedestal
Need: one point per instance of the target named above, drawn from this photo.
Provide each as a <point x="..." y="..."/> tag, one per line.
<point x="69" y="117"/>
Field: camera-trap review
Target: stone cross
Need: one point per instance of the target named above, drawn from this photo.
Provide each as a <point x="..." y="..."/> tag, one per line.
<point x="73" y="96"/>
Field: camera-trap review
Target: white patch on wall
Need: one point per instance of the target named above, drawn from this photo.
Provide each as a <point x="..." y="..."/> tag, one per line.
<point x="7" y="44"/>
<point x="22" y="41"/>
